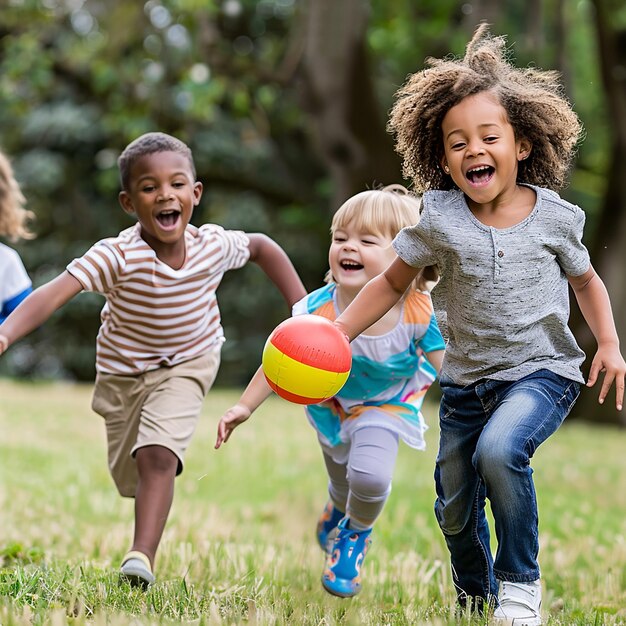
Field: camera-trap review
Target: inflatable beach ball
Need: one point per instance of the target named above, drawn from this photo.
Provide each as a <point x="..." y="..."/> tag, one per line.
<point x="306" y="359"/>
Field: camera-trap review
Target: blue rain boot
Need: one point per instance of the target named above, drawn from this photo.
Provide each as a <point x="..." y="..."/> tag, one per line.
<point x="342" y="575"/>
<point x="327" y="526"/>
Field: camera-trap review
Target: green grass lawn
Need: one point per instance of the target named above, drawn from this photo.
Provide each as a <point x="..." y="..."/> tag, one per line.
<point x="239" y="546"/>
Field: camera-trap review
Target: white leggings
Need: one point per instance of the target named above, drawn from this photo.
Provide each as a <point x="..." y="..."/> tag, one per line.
<point x="361" y="486"/>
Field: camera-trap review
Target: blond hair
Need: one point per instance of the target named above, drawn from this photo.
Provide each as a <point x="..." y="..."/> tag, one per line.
<point x="14" y="217"/>
<point x="385" y="211"/>
<point x="532" y="98"/>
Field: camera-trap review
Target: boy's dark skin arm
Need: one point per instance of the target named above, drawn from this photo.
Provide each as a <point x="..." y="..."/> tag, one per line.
<point x="273" y="260"/>
<point x="45" y="300"/>
<point x="37" y="308"/>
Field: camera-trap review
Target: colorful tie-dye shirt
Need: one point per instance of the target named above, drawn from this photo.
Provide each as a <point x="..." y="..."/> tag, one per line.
<point x="389" y="378"/>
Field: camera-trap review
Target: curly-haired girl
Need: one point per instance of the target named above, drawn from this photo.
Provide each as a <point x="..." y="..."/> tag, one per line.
<point x="489" y="143"/>
<point x="15" y="284"/>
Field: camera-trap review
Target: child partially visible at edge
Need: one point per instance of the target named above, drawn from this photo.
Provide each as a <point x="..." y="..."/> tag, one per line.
<point x="158" y="348"/>
<point x="489" y="144"/>
<point x="15" y="283"/>
<point x="394" y="363"/>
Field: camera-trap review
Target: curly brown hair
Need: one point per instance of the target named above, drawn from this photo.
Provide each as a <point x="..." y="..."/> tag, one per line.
<point x="534" y="100"/>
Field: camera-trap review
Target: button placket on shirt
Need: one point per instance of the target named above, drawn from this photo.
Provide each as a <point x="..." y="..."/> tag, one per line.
<point x="498" y="254"/>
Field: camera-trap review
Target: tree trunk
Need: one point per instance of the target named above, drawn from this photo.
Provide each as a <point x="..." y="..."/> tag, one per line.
<point x="608" y="250"/>
<point x="535" y="27"/>
<point x="339" y="94"/>
<point x="562" y="56"/>
<point x="489" y="11"/>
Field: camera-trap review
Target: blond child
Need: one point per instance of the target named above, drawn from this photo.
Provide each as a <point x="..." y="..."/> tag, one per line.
<point x="158" y="348"/>
<point x="489" y="143"/>
<point x="394" y="363"/>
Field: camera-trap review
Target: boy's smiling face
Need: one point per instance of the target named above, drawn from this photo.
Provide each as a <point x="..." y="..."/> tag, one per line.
<point x="162" y="194"/>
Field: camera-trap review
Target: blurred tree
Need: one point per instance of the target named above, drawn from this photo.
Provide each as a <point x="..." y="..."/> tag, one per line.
<point x="284" y="106"/>
<point x="339" y="94"/>
<point x="489" y="11"/>
<point x="607" y="248"/>
<point x="79" y="80"/>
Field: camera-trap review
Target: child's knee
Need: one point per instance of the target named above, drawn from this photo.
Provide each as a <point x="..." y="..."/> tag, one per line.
<point x="157" y="459"/>
<point x="369" y="486"/>
<point x="493" y="461"/>
<point x="451" y="519"/>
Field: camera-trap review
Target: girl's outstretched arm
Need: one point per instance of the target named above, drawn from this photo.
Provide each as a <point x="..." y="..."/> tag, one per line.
<point x="594" y="303"/>
<point x="273" y="260"/>
<point x="376" y="298"/>
<point x="37" y="308"/>
<point x="253" y="396"/>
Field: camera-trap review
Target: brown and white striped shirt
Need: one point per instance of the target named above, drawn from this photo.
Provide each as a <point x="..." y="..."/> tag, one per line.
<point x="155" y="315"/>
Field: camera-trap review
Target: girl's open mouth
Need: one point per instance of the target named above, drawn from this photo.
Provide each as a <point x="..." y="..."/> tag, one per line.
<point x="350" y="266"/>
<point x="480" y="175"/>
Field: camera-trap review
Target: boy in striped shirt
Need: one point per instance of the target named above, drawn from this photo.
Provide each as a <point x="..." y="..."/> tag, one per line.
<point x="158" y="348"/>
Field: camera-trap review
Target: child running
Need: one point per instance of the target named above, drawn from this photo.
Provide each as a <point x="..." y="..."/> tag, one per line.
<point x="493" y="142"/>
<point x="15" y="284"/>
<point x="158" y="348"/>
<point x="393" y="364"/>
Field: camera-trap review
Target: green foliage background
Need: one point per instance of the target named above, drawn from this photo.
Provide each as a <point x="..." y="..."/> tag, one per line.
<point x="79" y="79"/>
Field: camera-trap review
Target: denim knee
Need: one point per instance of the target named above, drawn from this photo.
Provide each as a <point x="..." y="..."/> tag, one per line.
<point x="453" y="511"/>
<point x="451" y="520"/>
<point x="493" y="460"/>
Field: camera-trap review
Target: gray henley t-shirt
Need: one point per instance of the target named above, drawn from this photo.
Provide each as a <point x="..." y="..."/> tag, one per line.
<point x="504" y="290"/>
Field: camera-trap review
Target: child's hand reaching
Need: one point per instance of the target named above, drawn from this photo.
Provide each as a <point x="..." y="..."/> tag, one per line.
<point x="4" y="344"/>
<point x="254" y="395"/>
<point x="609" y="360"/>
<point x="230" y="420"/>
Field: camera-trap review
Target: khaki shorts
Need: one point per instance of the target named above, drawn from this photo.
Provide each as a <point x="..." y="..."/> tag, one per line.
<point x="157" y="408"/>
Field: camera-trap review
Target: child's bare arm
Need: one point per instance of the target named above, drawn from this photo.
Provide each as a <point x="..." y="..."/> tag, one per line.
<point x="376" y="298"/>
<point x="594" y="303"/>
<point x="254" y="395"/>
<point x="273" y="260"/>
<point x="37" y="308"/>
<point x="435" y="358"/>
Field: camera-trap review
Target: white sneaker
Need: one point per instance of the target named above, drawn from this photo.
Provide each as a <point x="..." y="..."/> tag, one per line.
<point x="519" y="604"/>
<point x="136" y="570"/>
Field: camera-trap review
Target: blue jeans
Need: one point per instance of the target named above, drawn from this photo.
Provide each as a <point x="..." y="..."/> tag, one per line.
<point x="489" y="432"/>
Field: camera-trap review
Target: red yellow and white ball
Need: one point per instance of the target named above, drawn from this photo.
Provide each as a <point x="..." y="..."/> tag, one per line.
<point x="307" y="359"/>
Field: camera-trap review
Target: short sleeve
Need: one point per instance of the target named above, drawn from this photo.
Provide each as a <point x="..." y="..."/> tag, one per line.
<point x="318" y="302"/>
<point x="235" y="245"/>
<point x="413" y="244"/>
<point x="571" y="253"/>
<point x="98" y="270"/>
<point x="432" y="339"/>
<point x="300" y="307"/>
